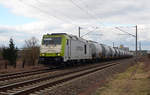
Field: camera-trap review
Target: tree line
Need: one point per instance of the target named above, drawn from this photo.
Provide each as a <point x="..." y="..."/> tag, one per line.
<point x="28" y="54"/>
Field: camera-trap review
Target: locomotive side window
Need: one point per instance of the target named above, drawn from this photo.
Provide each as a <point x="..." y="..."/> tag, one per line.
<point x="85" y="49"/>
<point x="67" y="42"/>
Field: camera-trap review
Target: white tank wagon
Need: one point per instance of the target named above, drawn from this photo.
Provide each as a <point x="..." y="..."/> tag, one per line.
<point x="116" y="53"/>
<point x="113" y="52"/>
<point x="60" y="48"/>
<point x="107" y="51"/>
<point x="96" y="50"/>
<point x="121" y="53"/>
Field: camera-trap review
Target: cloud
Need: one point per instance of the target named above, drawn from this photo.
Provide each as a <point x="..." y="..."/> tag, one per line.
<point x="66" y="15"/>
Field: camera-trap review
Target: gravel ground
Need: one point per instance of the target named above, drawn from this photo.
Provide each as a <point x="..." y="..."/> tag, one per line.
<point x="88" y="84"/>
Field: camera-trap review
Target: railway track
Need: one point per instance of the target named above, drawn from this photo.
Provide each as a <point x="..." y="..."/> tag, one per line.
<point x="35" y="86"/>
<point x="19" y="77"/>
<point x="22" y="74"/>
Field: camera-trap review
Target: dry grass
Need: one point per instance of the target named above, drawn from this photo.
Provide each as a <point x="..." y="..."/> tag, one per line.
<point x="11" y="69"/>
<point x="123" y="84"/>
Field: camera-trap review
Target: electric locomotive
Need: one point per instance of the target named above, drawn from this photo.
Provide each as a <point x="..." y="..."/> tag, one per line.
<point x="58" y="48"/>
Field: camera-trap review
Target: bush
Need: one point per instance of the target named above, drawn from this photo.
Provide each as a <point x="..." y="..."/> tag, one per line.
<point x="10" y="53"/>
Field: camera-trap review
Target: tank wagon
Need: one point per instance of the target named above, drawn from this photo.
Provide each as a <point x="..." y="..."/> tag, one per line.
<point x="58" y="48"/>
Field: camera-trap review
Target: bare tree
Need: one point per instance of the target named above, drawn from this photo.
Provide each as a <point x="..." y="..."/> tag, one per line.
<point x="31" y="51"/>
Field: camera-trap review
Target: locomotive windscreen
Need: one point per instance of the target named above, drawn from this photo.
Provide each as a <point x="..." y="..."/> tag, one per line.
<point x="52" y="41"/>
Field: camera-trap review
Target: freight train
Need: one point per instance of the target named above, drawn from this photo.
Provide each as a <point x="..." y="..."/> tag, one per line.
<point x="62" y="48"/>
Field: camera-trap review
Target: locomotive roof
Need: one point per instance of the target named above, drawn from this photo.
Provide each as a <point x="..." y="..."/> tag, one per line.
<point x="70" y="36"/>
<point x="58" y="34"/>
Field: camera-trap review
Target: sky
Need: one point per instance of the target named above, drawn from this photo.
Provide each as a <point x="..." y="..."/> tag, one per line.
<point x="23" y="19"/>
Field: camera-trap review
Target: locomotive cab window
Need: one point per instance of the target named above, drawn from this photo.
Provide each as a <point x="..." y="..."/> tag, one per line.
<point x="52" y="41"/>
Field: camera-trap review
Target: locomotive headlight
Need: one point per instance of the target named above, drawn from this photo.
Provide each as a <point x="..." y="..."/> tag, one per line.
<point x="43" y="54"/>
<point x="58" y="54"/>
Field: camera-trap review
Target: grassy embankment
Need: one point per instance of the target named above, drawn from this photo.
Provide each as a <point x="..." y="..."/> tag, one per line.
<point x="129" y="83"/>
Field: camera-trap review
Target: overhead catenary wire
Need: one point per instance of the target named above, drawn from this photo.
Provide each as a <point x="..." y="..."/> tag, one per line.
<point x="85" y="11"/>
<point x="89" y="11"/>
<point x="54" y="16"/>
<point x="80" y="8"/>
<point x="90" y="32"/>
<point x="67" y="17"/>
<point x="125" y="31"/>
<point x="45" y="12"/>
